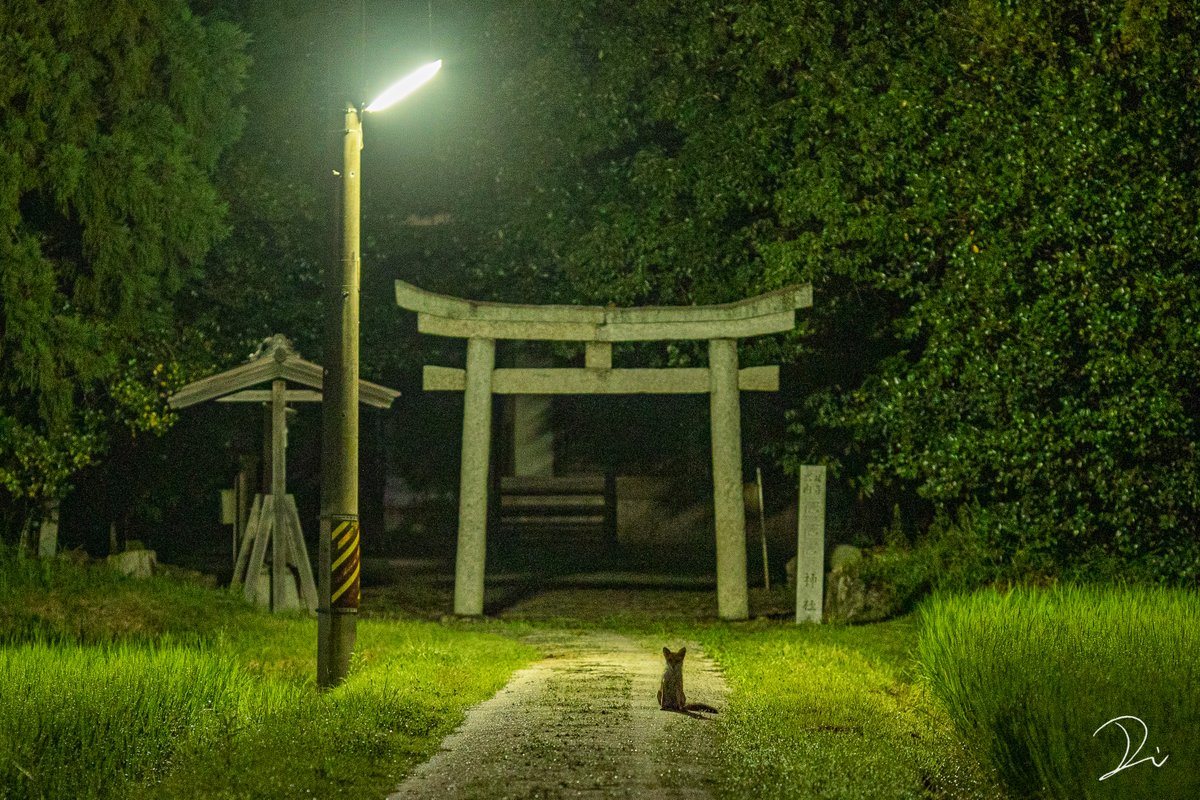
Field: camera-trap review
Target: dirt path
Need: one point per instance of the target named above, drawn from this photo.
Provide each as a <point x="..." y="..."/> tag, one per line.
<point x="582" y="722"/>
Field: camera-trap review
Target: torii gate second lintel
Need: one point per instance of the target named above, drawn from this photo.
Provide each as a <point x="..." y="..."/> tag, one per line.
<point x="481" y="324"/>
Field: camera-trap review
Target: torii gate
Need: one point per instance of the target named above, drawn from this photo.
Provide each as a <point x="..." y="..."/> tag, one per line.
<point x="481" y="324"/>
<point x="274" y="519"/>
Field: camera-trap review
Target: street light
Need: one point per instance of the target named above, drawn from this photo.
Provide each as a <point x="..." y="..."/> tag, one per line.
<point x="338" y="588"/>
<point x="404" y="87"/>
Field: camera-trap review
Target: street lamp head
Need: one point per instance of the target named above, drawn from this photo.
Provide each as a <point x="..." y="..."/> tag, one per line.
<point x="405" y="86"/>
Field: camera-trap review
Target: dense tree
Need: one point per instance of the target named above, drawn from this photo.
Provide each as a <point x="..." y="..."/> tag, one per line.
<point x="997" y="206"/>
<point x="115" y="115"/>
<point x="264" y="278"/>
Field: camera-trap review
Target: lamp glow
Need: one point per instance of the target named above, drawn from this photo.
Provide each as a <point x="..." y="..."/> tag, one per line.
<point x="405" y="86"/>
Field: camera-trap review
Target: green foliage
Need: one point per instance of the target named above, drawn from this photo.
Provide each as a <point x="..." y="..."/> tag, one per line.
<point x="116" y="114"/>
<point x="409" y="685"/>
<point x="1031" y="677"/>
<point x="952" y="555"/>
<point x="995" y="203"/>
<point x="265" y="276"/>
<point x="1051" y="354"/>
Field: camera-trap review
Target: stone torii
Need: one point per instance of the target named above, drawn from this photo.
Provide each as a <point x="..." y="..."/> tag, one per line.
<point x="481" y="324"/>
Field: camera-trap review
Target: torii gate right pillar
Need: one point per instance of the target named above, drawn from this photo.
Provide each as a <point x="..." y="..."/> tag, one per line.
<point x="728" y="505"/>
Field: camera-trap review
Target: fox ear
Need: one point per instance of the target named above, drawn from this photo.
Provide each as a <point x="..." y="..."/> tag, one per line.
<point x="666" y="653"/>
<point x="682" y="652"/>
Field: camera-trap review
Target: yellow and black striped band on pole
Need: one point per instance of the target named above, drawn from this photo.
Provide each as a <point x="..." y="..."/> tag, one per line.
<point x="344" y="566"/>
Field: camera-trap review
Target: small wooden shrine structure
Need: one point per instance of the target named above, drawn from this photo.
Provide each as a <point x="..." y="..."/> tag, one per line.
<point x="274" y="522"/>
<point x="481" y="324"/>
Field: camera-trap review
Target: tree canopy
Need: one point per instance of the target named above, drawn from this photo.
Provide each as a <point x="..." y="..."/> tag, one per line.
<point x="996" y="203"/>
<point x="115" y="116"/>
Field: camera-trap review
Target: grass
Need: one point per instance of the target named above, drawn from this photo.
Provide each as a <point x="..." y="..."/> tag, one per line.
<point x="59" y="600"/>
<point x="122" y="711"/>
<point x="116" y="687"/>
<point x="161" y="689"/>
<point x="834" y="712"/>
<point x="1031" y="676"/>
<point x="831" y="711"/>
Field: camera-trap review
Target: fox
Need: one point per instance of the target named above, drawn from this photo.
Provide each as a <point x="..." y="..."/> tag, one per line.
<point x="670" y="692"/>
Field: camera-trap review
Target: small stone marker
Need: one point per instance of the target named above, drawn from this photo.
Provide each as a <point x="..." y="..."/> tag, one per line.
<point x="810" y="545"/>
<point x="48" y="533"/>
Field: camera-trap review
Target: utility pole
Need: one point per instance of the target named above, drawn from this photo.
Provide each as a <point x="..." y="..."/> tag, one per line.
<point x="339" y="587"/>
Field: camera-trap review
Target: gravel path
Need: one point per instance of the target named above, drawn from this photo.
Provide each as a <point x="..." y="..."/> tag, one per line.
<point x="582" y="722"/>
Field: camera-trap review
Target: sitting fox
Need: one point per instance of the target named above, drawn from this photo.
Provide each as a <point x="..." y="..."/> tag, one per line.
<point x="670" y="693"/>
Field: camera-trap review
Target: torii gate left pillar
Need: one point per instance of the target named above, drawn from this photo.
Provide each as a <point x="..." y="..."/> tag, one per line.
<point x="481" y="324"/>
<point x="472" y="496"/>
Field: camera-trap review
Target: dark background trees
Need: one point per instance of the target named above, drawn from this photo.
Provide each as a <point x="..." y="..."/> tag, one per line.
<point x="995" y="203"/>
<point x="115" y="116"/>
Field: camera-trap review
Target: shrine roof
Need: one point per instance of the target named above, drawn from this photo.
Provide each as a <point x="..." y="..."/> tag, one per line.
<point x="275" y="359"/>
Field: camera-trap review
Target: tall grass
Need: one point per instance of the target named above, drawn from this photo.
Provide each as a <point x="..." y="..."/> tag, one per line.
<point x="54" y="599"/>
<point x="1030" y="677"/>
<point x="832" y="712"/>
<point x="79" y="722"/>
<point x="113" y="687"/>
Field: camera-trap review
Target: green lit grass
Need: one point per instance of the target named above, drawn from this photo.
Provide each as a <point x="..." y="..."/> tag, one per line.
<point x="157" y="689"/>
<point x="160" y="689"/>
<point x="833" y="712"/>
<point x="409" y="685"/>
<point x="77" y="721"/>
<point x="1029" y="676"/>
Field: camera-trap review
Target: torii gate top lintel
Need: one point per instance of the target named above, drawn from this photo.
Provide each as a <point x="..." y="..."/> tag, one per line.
<point x="443" y="315"/>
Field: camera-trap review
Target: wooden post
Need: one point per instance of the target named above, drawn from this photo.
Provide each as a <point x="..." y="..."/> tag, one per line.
<point x="279" y="570"/>
<point x="253" y="526"/>
<point x="248" y="465"/>
<point x="472" y="492"/>
<point x="258" y="553"/>
<point x="308" y="587"/>
<point x="729" y="509"/>
<point x="267" y="461"/>
<point x="762" y="529"/>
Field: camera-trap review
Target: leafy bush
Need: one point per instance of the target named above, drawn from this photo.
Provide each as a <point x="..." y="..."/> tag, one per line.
<point x="1031" y="677"/>
<point x="953" y="555"/>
